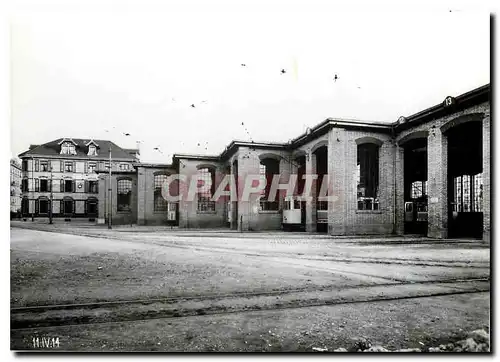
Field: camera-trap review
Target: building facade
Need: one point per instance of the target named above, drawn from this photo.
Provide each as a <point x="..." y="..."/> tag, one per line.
<point x="15" y="187"/>
<point x="65" y="171"/>
<point x="425" y="174"/>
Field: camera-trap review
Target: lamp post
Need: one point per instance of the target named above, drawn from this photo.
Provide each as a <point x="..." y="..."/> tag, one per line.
<point x="51" y="195"/>
<point x="110" y="189"/>
<point x="33" y="187"/>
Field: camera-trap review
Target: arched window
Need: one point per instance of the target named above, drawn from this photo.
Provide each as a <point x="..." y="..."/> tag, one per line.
<point x="160" y="204"/>
<point x="206" y="179"/>
<point x="124" y="195"/>
<point x="367" y="176"/>
<point x="268" y="168"/>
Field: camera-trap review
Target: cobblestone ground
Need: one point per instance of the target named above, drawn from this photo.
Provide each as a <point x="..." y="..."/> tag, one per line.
<point x="89" y="264"/>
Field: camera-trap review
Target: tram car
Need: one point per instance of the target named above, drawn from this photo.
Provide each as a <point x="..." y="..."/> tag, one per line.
<point x="416" y="215"/>
<point x="294" y="213"/>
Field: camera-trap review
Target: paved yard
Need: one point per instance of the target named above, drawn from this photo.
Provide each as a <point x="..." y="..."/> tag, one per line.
<point x="63" y="267"/>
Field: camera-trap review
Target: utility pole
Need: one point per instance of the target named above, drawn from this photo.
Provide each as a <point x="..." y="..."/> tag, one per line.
<point x="51" y="194"/>
<point x="110" y="189"/>
<point x="33" y="186"/>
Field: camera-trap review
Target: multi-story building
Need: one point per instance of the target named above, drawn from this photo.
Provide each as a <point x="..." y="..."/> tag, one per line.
<point x="64" y="171"/>
<point x="15" y="187"/>
<point x="427" y="173"/>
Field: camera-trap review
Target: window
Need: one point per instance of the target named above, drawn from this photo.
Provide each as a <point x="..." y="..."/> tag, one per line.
<point x="68" y="186"/>
<point x="468" y="193"/>
<point x="124" y="191"/>
<point x="268" y="168"/>
<point x="124" y="166"/>
<point x="68" y="166"/>
<point x="43" y="206"/>
<point x="93" y="187"/>
<point x="322" y="206"/>
<point x="92" y="150"/>
<point x="91" y="207"/>
<point x="91" y="167"/>
<point x="160" y="204"/>
<point x="24" y="185"/>
<point x="44" y="185"/>
<point x="68" y="148"/>
<point x="25" y="165"/>
<point x="44" y="166"/>
<point x="68" y="206"/>
<point x="466" y="190"/>
<point x="418" y="189"/>
<point x="367" y="176"/>
<point x="478" y="193"/>
<point x="206" y="178"/>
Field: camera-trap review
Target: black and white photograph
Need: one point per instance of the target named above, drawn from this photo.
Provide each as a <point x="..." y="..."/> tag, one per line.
<point x="272" y="177"/>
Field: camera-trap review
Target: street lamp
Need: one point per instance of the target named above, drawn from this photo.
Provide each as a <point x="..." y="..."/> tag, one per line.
<point x="110" y="189"/>
<point x="33" y="187"/>
<point x="51" y="195"/>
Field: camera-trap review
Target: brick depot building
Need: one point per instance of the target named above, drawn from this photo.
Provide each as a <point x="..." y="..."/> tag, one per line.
<point x="427" y="174"/>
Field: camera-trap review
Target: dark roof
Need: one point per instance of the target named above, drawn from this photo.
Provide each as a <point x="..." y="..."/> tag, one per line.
<point x="154" y="165"/>
<point x="53" y="149"/>
<point x="465" y="100"/>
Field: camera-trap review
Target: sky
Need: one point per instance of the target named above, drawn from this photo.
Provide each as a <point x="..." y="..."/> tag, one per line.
<point x="86" y="73"/>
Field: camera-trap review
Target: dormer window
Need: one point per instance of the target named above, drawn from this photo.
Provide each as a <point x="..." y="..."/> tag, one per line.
<point x="68" y="148"/>
<point x="92" y="150"/>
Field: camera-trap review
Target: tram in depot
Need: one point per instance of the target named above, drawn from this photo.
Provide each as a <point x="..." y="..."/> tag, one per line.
<point x="294" y="213"/>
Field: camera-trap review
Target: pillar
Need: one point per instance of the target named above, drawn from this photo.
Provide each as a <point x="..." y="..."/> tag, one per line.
<point x="400" y="192"/>
<point x="141" y="196"/>
<point x="486" y="180"/>
<point x="311" y="202"/>
<point x="337" y="211"/>
<point x="437" y="183"/>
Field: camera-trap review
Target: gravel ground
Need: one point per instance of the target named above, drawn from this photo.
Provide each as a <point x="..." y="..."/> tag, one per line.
<point x="61" y="267"/>
<point x="414" y="323"/>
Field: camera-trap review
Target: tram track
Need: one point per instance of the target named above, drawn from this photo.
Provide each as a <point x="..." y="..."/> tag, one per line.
<point x="42" y="316"/>
<point x="179" y="244"/>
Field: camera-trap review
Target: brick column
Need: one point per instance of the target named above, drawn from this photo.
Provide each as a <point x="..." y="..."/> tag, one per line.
<point x="437" y="183"/>
<point x="400" y="183"/>
<point x="234" y="204"/>
<point x="486" y="180"/>
<point x="311" y="203"/>
<point x="141" y="196"/>
<point x="337" y="211"/>
<point x="102" y="199"/>
<point x="248" y="164"/>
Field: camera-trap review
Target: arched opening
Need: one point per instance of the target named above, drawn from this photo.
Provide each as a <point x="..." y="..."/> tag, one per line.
<point x="206" y="186"/>
<point x="124" y="195"/>
<point x="321" y="155"/>
<point x="465" y="181"/>
<point x="368" y="176"/>
<point x="67" y="207"/>
<point x="159" y="202"/>
<point x="91" y="207"/>
<point x="268" y="168"/>
<point x="415" y="186"/>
